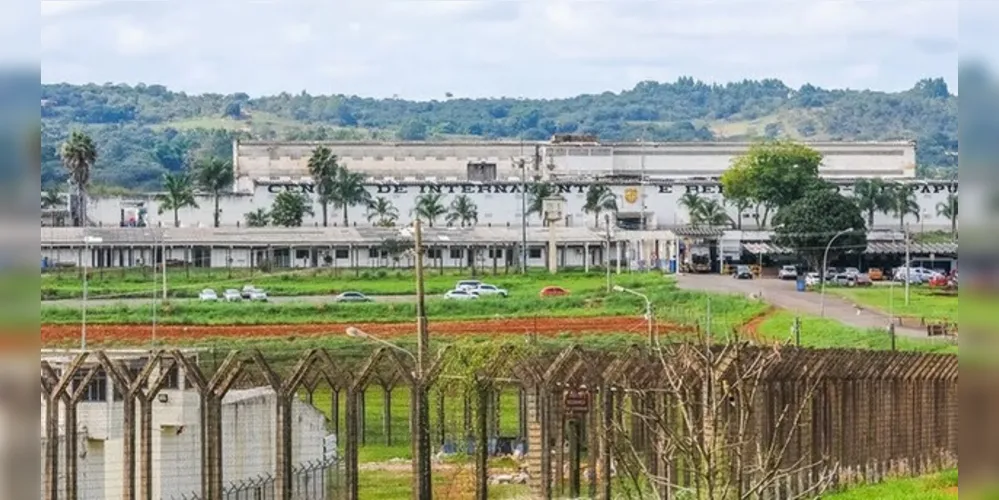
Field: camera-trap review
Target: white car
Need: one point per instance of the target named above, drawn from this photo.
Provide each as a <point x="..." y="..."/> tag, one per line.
<point x="468" y="285"/>
<point x="851" y="271"/>
<point x="208" y="295"/>
<point x="484" y="289"/>
<point x="460" y="295"/>
<point x="258" y="295"/>
<point x="232" y="295"/>
<point x="787" y="273"/>
<point x="915" y="274"/>
<point x="246" y="291"/>
<point x="813" y="279"/>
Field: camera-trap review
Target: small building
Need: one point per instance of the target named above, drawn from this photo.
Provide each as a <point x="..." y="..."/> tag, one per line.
<point x="248" y="433"/>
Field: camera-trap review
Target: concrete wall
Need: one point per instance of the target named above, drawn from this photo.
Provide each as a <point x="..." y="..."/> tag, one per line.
<point x="498" y="204"/>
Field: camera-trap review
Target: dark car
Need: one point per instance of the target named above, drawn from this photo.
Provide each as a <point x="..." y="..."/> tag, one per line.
<point x="743" y="273"/>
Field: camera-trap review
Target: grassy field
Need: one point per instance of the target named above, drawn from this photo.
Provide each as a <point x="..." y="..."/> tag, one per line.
<point x="137" y="284"/>
<point x="588" y="299"/>
<point x="941" y="486"/>
<point x="922" y="302"/>
<point x="827" y="333"/>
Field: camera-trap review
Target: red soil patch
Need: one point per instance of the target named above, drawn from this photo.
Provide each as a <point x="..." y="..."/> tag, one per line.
<point x="97" y="334"/>
<point x="751" y="328"/>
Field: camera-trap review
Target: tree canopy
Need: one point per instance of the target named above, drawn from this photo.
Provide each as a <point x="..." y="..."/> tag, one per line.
<point x="146" y="130"/>
<point x="808" y="224"/>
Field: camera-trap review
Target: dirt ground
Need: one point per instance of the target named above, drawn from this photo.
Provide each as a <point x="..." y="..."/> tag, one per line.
<point x="119" y="334"/>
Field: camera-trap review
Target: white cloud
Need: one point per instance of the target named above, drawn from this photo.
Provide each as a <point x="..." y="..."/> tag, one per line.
<point x="423" y="48"/>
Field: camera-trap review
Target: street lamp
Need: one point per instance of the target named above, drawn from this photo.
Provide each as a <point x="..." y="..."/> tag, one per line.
<point x="87" y="241"/>
<point x="648" y="310"/>
<point x="357" y="333"/>
<point x="825" y="266"/>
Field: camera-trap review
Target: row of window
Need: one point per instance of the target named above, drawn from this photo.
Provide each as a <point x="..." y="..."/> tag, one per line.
<point x="432" y="253"/>
<point x="97" y="389"/>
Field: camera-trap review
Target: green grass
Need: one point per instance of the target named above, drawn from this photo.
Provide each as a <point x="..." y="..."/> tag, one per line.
<point x="393" y="485"/>
<point x="829" y="334"/>
<point x="935" y="487"/>
<point x="132" y="283"/>
<point x="922" y="302"/>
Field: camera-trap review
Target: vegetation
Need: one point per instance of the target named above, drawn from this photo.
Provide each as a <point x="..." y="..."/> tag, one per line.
<point x="146" y="130"/>
<point x="323" y="167"/>
<point x="382" y="212"/>
<point x="599" y="199"/>
<point x="821" y="219"/>
<point x="78" y="156"/>
<point x="290" y="208"/>
<point x="429" y="208"/>
<point x="942" y="486"/>
<point x="178" y="193"/>
<point x="463" y="212"/>
<point x="825" y="333"/>
<point x="923" y="303"/>
<point x="948" y="209"/>
<point x="214" y="176"/>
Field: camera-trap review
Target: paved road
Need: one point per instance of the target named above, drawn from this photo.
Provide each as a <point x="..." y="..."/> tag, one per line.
<point x="784" y="294"/>
<point x="308" y="299"/>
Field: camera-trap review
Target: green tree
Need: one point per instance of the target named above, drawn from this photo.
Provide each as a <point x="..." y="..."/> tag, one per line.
<point x="52" y="197"/>
<point x="429" y="208"/>
<point x="948" y="209"/>
<point x="178" y="192"/>
<point x="348" y="190"/>
<point x="712" y="213"/>
<point x="536" y="194"/>
<point x="872" y="196"/>
<point x="289" y="209"/>
<point x="323" y="167"/>
<point x="599" y="198"/>
<point x="463" y="211"/>
<point x="78" y="155"/>
<point x="773" y="174"/>
<point x="807" y="225"/>
<point x="693" y="203"/>
<point x="257" y="218"/>
<point x="383" y="212"/>
<point x="903" y="202"/>
<point x="739" y="196"/>
<point x="214" y="176"/>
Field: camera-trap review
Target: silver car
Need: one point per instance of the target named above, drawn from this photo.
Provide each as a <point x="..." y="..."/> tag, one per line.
<point x="208" y="295"/>
<point x="232" y="295"/>
<point x="484" y="289"/>
<point x="258" y="295"/>
<point x="460" y="295"/>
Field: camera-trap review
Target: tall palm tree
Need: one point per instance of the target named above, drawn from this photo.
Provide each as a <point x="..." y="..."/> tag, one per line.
<point x="384" y="211"/>
<point x="873" y="196"/>
<point x="903" y="203"/>
<point x="429" y="207"/>
<point x="52" y="197"/>
<point x="948" y="209"/>
<point x="348" y="190"/>
<point x="78" y="155"/>
<point x="599" y="198"/>
<point x="536" y="198"/>
<point x="463" y="211"/>
<point x="693" y="203"/>
<point x="324" y="167"/>
<point x="713" y="213"/>
<point x="178" y="193"/>
<point x="214" y="176"/>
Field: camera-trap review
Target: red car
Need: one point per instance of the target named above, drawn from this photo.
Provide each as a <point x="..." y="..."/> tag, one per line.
<point x="553" y="291"/>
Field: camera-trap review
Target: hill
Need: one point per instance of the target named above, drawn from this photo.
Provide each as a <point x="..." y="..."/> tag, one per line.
<point x="145" y="130"/>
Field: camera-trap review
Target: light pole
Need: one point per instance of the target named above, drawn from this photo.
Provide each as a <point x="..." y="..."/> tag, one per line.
<point x="357" y="333"/>
<point x="648" y="311"/>
<point x="825" y="265"/>
<point x="607" y="253"/>
<point x="422" y="441"/>
<point x="87" y="241"/>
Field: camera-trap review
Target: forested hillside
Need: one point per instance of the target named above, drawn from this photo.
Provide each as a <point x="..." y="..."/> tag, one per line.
<point x="143" y="131"/>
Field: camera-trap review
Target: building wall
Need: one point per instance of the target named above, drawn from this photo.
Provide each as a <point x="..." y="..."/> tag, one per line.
<point x="498" y="204"/>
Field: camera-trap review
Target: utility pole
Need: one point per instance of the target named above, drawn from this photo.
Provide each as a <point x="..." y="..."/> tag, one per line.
<point x="796" y="329"/>
<point x="607" y="254"/>
<point x="523" y="216"/>
<point x="908" y="265"/>
<point x="423" y="489"/>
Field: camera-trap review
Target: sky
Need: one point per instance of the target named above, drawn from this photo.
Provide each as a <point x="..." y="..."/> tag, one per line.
<point x="418" y="49"/>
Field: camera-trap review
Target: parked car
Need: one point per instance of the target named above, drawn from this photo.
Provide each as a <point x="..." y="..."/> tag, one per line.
<point x="813" y="279"/>
<point x="484" y="289"/>
<point x="876" y="274"/>
<point x="352" y="297"/>
<point x="841" y="279"/>
<point x="258" y="295"/>
<point x="787" y="273"/>
<point x="743" y="273"/>
<point x="862" y="279"/>
<point x="915" y="274"/>
<point x="467" y="285"/>
<point x="232" y="295"/>
<point x="851" y="271"/>
<point x="553" y="291"/>
<point x="208" y="295"/>
<point x="460" y="295"/>
<point x="246" y="291"/>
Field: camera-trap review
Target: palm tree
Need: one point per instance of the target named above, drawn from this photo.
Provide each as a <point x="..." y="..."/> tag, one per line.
<point x="78" y="155"/>
<point x="948" y="209"/>
<point x="384" y="211"/>
<point x="599" y="198"/>
<point x="873" y="196"/>
<point x="324" y="167"/>
<point x="903" y="203"/>
<point x="178" y="194"/>
<point x="713" y="213"/>
<point x="429" y="207"/>
<point x="463" y="211"/>
<point x="536" y="198"/>
<point x="348" y="190"/>
<point x="693" y="203"/>
<point x="52" y="197"/>
<point x="214" y="176"/>
<point x="258" y="218"/>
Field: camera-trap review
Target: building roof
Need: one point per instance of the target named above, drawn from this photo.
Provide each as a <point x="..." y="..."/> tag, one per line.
<point x="315" y="236"/>
<point x="873" y="247"/>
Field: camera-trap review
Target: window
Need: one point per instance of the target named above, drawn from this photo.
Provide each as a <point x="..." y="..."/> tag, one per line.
<point x="373" y="253"/>
<point x="97" y="390"/>
<point x="534" y="253"/>
<point x="341" y="253"/>
<point x="301" y="254"/>
<point x="495" y="253"/>
<point x="455" y="253"/>
<point x="172" y="378"/>
<point x="433" y="253"/>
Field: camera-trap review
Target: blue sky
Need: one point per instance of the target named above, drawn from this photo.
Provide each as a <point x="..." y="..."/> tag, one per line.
<point x="520" y="48"/>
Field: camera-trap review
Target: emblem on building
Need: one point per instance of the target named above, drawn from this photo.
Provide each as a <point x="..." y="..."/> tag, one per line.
<point x="631" y="195"/>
